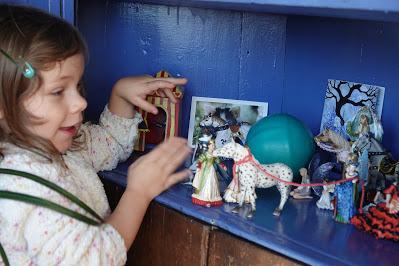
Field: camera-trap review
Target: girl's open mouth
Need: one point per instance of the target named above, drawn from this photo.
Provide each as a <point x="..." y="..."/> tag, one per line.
<point x="69" y="130"/>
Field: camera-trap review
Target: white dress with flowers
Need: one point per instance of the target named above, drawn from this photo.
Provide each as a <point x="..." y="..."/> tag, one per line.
<point x="33" y="235"/>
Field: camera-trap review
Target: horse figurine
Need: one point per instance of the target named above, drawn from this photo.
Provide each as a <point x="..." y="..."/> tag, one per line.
<point x="222" y="123"/>
<point x="249" y="174"/>
<point x="331" y="141"/>
<point x="217" y="127"/>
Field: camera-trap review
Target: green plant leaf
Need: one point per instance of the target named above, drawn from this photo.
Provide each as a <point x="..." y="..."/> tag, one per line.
<point x="4" y="256"/>
<point x="47" y="204"/>
<point x="54" y="187"/>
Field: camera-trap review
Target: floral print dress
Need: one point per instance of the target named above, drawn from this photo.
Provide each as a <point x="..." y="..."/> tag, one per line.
<point x="33" y="235"/>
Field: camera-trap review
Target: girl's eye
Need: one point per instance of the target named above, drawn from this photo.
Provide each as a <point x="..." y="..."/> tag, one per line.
<point x="57" y="92"/>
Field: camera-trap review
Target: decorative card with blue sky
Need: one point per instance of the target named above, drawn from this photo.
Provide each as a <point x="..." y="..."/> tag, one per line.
<point x="344" y="99"/>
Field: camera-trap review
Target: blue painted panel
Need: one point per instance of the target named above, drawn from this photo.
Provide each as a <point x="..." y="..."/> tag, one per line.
<point x="42" y="4"/>
<point x="142" y="39"/>
<point x="387" y="10"/>
<point x="61" y="8"/>
<point x="262" y="59"/>
<point x="302" y="232"/>
<point x="361" y="51"/>
<point x="67" y="9"/>
<point x="206" y="46"/>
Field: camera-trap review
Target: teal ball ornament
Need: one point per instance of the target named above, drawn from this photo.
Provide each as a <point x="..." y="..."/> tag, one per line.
<point x="281" y="138"/>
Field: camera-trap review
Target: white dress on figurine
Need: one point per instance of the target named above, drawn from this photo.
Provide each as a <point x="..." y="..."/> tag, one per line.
<point x="206" y="182"/>
<point x="325" y="199"/>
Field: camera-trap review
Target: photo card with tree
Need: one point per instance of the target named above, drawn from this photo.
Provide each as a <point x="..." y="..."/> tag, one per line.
<point x="343" y="101"/>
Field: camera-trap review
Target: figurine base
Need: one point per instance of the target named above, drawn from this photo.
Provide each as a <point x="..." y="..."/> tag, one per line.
<point x="206" y="203"/>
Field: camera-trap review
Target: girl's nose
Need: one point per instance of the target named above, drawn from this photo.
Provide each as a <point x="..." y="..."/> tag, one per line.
<point x="78" y="103"/>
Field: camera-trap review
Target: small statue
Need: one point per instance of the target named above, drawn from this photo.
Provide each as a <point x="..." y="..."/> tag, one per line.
<point x="392" y="198"/>
<point x="249" y="174"/>
<point x="325" y="199"/>
<point x="302" y="192"/>
<point x="205" y="182"/>
<point x="345" y="192"/>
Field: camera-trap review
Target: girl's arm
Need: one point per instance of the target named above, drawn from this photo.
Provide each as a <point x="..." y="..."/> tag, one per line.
<point x="39" y="236"/>
<point x="147" y="177"/>
<point x="113" y="139"/>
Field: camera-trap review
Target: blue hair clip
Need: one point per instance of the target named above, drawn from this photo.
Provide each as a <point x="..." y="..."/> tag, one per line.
<point x="27" y="70"/>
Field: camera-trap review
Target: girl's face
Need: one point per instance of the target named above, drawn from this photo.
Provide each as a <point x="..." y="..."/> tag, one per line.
<point x="57" y="104"/>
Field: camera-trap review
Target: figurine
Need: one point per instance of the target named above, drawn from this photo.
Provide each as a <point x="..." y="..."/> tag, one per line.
<point x="302" y="192"/>
<point x="224" y="124"/>
<point x="392" y="198"/>
<point x="249" y="174"/>
<point x="382" y="220"/>
<point x="166" y="123"/>
<point x="345" y="193"/>
<point x="331" y="141"/>
<point x="325" y="199"/>
<point x="205" y="181"/>
<point x="364" y="130"/>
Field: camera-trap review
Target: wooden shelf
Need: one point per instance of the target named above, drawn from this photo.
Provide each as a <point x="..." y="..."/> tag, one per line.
<point x="302" y="233"/>
<point x="386" y="10"/>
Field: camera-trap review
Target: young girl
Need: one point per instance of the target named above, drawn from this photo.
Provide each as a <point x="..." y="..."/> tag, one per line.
<point x="41" y="132"/>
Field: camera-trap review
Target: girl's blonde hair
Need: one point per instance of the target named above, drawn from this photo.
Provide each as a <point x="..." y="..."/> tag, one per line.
<point x="33" y="36"/>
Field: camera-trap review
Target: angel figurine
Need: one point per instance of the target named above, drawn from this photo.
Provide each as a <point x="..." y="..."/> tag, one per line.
<point x="302" y="192"/>
<point x="325" y="199"/>
<point x="205" y="182"/>
<point x="364" y="126"/>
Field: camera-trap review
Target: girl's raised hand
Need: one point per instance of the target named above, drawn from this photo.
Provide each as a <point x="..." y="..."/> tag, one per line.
<point x="134" y="90"/>
<point x="153" y="173"/>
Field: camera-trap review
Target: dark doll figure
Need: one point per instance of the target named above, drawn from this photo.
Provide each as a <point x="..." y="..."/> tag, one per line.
<point x="382" y="220"/>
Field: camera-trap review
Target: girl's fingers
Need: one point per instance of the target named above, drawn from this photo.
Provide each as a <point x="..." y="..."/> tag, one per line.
<point x="162" y="83"/>
<point x="163" y="152"/>
<point x="170" y="95"/>
<point x="146" y="106"/>
<point x="155" y="85"/>
<point x="178" y="158"/>
<point x="161" y="93"/>
<point x="175" y="81"/>
<point x="177" y="177"/>
<point x="174" y="149"/>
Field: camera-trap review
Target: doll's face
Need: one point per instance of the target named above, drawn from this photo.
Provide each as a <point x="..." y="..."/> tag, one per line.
<point x="57" y="105"/>
<point x="211" y="147"/>
<point x="303" y="172"/>
<point x="363" y="120"/>
<point x="351" y="169"/>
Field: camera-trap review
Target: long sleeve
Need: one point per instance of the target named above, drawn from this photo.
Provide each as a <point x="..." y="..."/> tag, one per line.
<point x="33" y="235"/>
<point x="111" y="141"/>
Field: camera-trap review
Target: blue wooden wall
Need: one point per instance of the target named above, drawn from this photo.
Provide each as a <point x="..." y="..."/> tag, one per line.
<point x="61" y="8"/>
<point x="284" y="60"/>
<point x="325" y="48"/>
